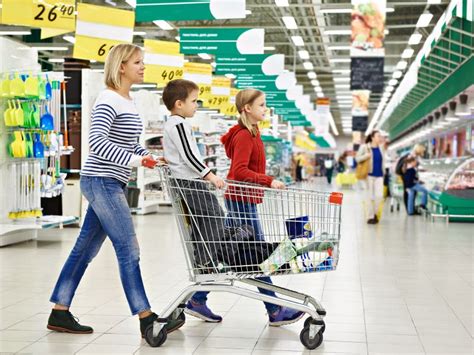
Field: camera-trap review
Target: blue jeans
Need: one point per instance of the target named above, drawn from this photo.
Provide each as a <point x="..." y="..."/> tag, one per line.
<point x="108" y="215"/>
<point x="240" y="213"/>
<point x="411" y="197"/>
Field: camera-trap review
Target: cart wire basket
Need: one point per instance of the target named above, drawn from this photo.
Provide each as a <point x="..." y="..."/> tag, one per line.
<point x="235" y="235"/>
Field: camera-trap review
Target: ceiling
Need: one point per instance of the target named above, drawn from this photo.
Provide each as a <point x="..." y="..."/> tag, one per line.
<point x="313" y="21"/>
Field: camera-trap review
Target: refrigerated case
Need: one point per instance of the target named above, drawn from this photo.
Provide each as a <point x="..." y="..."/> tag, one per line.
<point x="450" y="182"/>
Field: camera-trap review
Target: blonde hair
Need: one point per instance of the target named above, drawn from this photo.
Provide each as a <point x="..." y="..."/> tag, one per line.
<point x="247" y="97"/>
<point x="117" y="56"/>
<point x="419" y="149"/>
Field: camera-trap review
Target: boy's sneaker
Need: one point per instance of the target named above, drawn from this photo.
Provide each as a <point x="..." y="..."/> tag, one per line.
<point x="64" y="321"/>
<point x="171" y="326"/>
<point x="284" y="316"/>
<point x="201" y="311"/>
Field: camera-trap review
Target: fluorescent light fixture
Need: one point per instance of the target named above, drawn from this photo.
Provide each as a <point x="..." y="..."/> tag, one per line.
<point x="204" y="56"/>
<point x="132" y="3"/>
<point x="393" y="82"/>
<point x="346" y="117"/>
<point x="315" y="82"/>
<point x="337" y="32"/>
<point x="335" y="11"/>
<point x="290" y="22"/>
<point x="389" y="89"/>
<point x="462" y="109"/>
<point x="424" y="20"/>
<point x="343" y="97"/>
<point x="51" y="48"/>
<point x="408" y="53"/>
<point x="340" y="60"/>
<point x="56" y="60"/>
<point x="270" y="48"/>
<point x="341" y="71"/>
<point x="303" y="54"/>
<point x="342" y="79"/>
<point x="15" y="33"/>
<point x="397" y="74"/>
<point x="320" y="94"/>
<point x="340" y="48"/>
<point x="433" y="2"/>
<point x="402" y="65"/>
<point x="311" y="75"/>
<point x="308" y="65"/>
<point x="70" y="39"/>
<point x="346" y="124"/>
<point x="248" y="12"/>
<point x="139" y="33"/>
<point x="386" y="94"/>
<point x="415" y="38"/>
<point x="163" y="25"/>
<point x="342" y="86"/>
<point x="281" y="3"/>
<point x="318" y="89"/>
<point x="297" y="40"/>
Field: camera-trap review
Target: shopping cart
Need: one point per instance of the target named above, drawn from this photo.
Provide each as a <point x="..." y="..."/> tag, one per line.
<point x="224" y="248"/>
<point x="396" y="193"/>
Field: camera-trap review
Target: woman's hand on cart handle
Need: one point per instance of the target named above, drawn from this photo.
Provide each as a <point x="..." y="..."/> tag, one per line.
<point x="149" y="162"/>
<point x="160" y="159"/>
<point x="215" y="180"/>
<point x="277" y="185"/>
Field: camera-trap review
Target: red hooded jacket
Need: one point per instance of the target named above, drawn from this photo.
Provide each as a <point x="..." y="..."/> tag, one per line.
<point x="248" y="163"/>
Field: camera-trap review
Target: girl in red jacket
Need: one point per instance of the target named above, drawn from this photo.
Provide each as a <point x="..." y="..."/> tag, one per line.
<point x="245" y="149"/>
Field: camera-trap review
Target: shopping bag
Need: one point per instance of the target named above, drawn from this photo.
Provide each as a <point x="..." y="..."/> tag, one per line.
<point x="362" y="169"/>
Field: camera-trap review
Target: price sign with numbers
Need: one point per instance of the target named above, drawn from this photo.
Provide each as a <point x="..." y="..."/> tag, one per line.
<point x="54" y="14"/>
<point x="99" y="28"/>
<point x="204" y="91"/>
<point x="201" y="74"/>
<point x="163" y="61"/>
<point x="229" y="109"/>
<point x="218" y="101"/>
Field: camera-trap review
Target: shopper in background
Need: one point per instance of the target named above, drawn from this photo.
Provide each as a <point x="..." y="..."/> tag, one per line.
<point x="245" y="149"/>
<point x="114" y="150"/>
<point x="185" y="162"/>
<point x="329" y="167"/>
<point x="341" y="163"/>
<point x="412" y="184"/>
<point x="299" y="166"/>
<point x="373" y="151"/>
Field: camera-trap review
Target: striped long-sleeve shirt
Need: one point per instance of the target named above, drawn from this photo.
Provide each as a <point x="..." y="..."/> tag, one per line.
<point x="181" y="151"/>
<point x="113" y="137"/>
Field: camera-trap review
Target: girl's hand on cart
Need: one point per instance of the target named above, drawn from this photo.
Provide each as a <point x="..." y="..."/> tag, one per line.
<point x="217" y="182"/>
<point x="277" y="185"/>
<point x="149" y="162"/>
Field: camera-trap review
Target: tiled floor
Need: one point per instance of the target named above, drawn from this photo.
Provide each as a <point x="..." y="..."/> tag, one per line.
<point x="404" y="286"/>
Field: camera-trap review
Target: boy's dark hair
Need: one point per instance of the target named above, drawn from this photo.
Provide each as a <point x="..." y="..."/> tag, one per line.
<point x="410" y="159"/>
<point x="178" y="89"/>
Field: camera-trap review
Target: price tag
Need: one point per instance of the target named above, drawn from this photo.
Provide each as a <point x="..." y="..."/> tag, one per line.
<point x="218" y="101"/>
<point x="204" y="91"/>
<point x="59" y="14"/>
<point x="93" y="48"/>
<point x="264" y="124"/>
<point x="162" y="74"/>
<point x="17" y="12"/>
<point x="229" y="109"/>
<point x="163" y="62"/>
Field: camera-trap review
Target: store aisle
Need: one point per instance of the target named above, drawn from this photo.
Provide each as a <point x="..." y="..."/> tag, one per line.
<point x="403" y="286"/>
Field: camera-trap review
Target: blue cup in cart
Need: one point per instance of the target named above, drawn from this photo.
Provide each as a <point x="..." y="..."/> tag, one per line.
<point x="299" y="227"/>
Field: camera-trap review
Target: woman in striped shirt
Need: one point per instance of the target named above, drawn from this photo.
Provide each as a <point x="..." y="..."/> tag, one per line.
<point x="114" y="150"/>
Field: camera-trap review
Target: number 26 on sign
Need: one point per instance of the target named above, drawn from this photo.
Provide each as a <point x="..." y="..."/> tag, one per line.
<point x="54" y="14"/>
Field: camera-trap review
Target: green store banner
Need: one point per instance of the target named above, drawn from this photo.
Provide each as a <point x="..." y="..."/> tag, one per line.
<point x="179" y="10"/>
<point x="256" y="81"/>
<point x="302" y="123"/>
<point x="222" y="41"/>
<point x="266" y="64"/>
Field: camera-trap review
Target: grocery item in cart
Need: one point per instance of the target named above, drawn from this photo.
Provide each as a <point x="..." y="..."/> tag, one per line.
<point x="299" y="227"/>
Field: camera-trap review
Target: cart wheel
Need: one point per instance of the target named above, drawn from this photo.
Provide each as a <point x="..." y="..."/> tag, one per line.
<point x="157" y="341"/>
<point x="308" y="321"/>
<point x="310" y="344"/>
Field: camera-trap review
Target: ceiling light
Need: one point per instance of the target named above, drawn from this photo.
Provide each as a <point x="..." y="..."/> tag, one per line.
<point x="397" y="74"/>
<point x="389" y="88"/>
<point x="248" y="12"/>
<point x="281" y="3"/>
<point x="341" y="71"/>
<point x="346" y="117"/>
<point x="70" y="39"/>
<point x="318" y="89"/>
<point x="315" y="82"/>
<point x="451" y="116"/>
<point x="163" y="25"/>
<point x="335" y="11"/>
<point x="15" y="33"/>
<point x="340" y="48"/>
<point x="342" y="79"/>
<point x="402" y="65"/>
<point x="139" y="33"/>
<point x="311" y="75"/>
<point x="337" y="32"/>
<point x="340" y="60"/>
<point x="132" y="3"/>
<point x="56" y="60"/>
<point x="269" y="48"/>
<point x="177" y="38"/>
<point x="424" y="20"/>
<point x="415" y="38"/>
<point x="204" y="56"/>
<point x="290" y="22"/>
<point x="320" y="94"/>
<point x="230" y="76"/>
<point x="433" y="2"/>
<point x="308" y="65"/>
<point x="463" y="109"/>
<point x="51" y="48"/>
<point x="342" y="86"/>
<point x="303" y="54"/>
<point x="408" y="53"/>
<point x="297" y="40"/>
<point x="393" y="82"/>
<point x="343" y="97"/>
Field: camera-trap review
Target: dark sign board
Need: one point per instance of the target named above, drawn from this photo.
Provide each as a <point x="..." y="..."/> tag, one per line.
<point x="367" y="73"/>
<point x="360" y="123"/>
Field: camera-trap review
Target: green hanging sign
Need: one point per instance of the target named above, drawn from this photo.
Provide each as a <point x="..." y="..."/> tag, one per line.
<point x="179" y="10"/>
<point x="266" y="64"/>
<point x="222" y="41"/>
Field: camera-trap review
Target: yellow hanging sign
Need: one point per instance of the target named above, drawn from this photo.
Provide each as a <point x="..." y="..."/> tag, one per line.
<point x="60" y="14"/>
<point x="100" y="28"/>
<point x="218" y="101"/>
<point x="163" y="61"/>
<point x="204" y="91"/>
<point x="17" y="12"/>
<point x="229" y="110"/>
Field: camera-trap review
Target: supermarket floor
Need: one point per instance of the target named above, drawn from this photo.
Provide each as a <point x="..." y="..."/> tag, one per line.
<point x="403" y="286"/>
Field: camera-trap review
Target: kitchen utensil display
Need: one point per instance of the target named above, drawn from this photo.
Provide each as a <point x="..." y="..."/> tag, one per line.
<point x="47" y="120"/>
<point x="32" y="86"/>
<point x="17" y="86"/>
